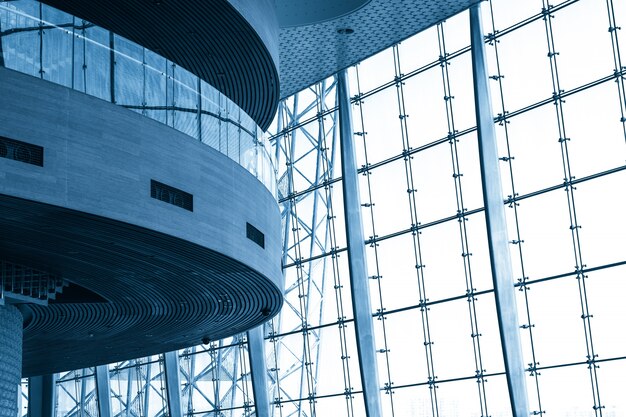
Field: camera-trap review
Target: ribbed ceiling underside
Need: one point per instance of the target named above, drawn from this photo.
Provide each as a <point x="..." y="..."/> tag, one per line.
<point x="209" y="38"/>
<point x="311" y="53"/>
<point x="164" y="293"/>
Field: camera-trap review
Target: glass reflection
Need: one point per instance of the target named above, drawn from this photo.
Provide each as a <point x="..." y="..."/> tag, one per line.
<point x="41" y="41"/>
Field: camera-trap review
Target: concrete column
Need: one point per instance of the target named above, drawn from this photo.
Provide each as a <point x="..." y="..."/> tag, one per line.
<point x="258" y="371"/>
<point x="359" y="284"/>
<point x="172" y="383"/>
<point x="501" y="270"/>
<point x="42" y="396"/>
<point x="103" y="390"/>
<point x="10" y="359"/>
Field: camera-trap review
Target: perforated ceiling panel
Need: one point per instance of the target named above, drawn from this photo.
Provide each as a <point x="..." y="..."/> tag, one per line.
<point x="311" y="53"/>
<point x="306" y="12"/>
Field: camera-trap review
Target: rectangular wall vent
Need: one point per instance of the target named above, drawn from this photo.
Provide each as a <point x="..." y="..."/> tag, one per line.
<point x="171" y="195"/>
<point x="255" y="235"/>
<point x="21" y="151"/>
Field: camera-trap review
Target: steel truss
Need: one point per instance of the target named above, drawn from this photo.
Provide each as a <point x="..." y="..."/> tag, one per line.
<point x="304" y="146"/>
<point x="216" y="379"/>
<point x="77" y="394"/>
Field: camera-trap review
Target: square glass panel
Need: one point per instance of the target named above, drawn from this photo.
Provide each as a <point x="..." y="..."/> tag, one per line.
<point x="566" y="391"/>
<point x="559" y="332"/>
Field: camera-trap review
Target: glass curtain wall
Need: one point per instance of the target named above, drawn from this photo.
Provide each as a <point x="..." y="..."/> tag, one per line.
<point x="557" y="80"/>
<point x="557" y="74"/>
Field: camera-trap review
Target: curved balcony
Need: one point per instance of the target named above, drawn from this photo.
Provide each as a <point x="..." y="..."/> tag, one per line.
<point x="44" y="42"/>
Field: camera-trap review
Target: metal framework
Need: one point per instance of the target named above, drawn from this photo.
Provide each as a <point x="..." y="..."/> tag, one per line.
<point x="77" y="394"/>
<point x="305" y="155"/>
<point x="216" y="378"/>
<point x="432" y="294"/>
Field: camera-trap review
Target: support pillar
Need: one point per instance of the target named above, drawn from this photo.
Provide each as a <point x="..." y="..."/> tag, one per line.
<point x="10" y="359"/>
<point x="42" y="395"/>
<point x="103" y="390"/>
<point x="359" y="284"/>
<point x="497" y="236"/>
<point x="258" y="371"/>
<point x="172" y="383"/>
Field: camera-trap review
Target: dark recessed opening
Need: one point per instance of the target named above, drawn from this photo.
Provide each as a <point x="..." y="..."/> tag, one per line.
<point x="171" y="195"/>
<point x="21" y="151"/>
<point x="255" y="235"/>
<point x="345" y="31"/>
<point x="75" y="294"/>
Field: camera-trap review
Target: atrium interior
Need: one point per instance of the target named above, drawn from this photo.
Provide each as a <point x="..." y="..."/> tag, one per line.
<point x="556" y="72"/>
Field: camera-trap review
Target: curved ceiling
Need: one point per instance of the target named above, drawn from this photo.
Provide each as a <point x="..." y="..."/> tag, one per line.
<point x="209" y="38"/>
<point x="307" y="12"/>
<point x="313" y="52"/>
<point x="163" y="293"/>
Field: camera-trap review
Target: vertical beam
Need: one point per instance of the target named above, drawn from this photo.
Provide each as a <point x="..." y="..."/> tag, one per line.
<point x="233" y="382"/>
<point x="147" y="390"/>
<point x="359" y="284"/>
<point x="172" y="383"/>
<point x="83" y="393"/>
<point x="103" y="390"/>
<point x="130" y="372"/>
<point x="42" y="396"/>
<point x="497" y="236"/>
<point x="258" y="371"/>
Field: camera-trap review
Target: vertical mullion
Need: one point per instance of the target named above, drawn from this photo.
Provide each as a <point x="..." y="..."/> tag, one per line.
<point x="388" y="385"/>
<point x="462" y="220"/>
<point x="617" y="59"/>
<point x="581" y="276"/>
<point x="417" y="249"/>
<point x="518" y="241"/>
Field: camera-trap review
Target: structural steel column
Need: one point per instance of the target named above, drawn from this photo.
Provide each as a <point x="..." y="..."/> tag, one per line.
<point x="497" y="236"/>
<point x="172" y="383"/>
<point x="42" y="395"/>
<point x="359" y="284"/>
<point x="258" y="370"/>
<point x="103" y="390"/>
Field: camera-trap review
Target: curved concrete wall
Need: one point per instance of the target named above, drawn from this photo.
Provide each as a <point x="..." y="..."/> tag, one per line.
<point x="99" y="158"/>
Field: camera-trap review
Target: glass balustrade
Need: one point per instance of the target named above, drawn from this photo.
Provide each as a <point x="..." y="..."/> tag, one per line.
<point x="52" y="45"/>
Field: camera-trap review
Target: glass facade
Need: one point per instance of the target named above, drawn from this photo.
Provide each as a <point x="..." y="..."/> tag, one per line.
<point x="558" y="75"/>
<point x="41" y="41"/>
